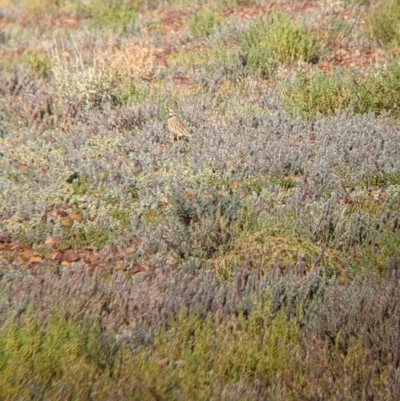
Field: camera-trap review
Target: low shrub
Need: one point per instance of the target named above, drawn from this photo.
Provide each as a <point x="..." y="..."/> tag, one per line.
<point x="277" y="41"/>
<point x="383" y="24"/>
<point x="204" y="22"/>
<point x="326" y="94"/>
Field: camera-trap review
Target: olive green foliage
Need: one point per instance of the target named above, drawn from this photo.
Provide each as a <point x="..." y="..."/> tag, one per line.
<point x="60" y="358"/>
<point x="204" y="22"/>
<point x="69" y="357"/>
<point x="86" y="235"/>
<point x="379" y="92"/>
<point x="233" y="340"/>
<point x="277" y="41"/>
<point x="383" y="24"/>
<point x="326" y="94"/>
<point x="210" y="353"/>
<point x="112" y="14"/>
<point x="129" y="92"/>
<point x="37" y="62"/>
<point x="42" y="7"/>
<point x="321" y="93"/>
<point x="204" y="58"/>
<point x="384" y="246"/>
<point x="191" y="359"/>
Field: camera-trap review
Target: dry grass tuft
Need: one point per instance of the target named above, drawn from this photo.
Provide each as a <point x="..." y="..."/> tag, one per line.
<point x="270" y="247"/>
<point x="101" y="81"/>
<point x="131" y="62"/>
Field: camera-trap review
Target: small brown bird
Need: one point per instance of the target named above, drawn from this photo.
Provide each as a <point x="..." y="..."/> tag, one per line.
<point x="176" y="127"/>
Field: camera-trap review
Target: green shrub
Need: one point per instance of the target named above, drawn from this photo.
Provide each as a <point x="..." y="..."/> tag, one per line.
<point x="380" y="91"/>
<point x="377" y="257"/>
<point x="320" y="93"/>
<point x="37" y="61"/>
<point x="112" y="14"/>
<point x="191" y="59"/>
<point x="207" y="58"/>
<point x="42" y="7"/>
<point x="87" y="235"/>
<point x="70" y="358"/>
<point x="204" y="23"/>
<point x="383" y="24"/>
<point x="58" y="360"/>
<point x="130" y="92"/>
<point x="308" y="95"/>
<point x="258" y="347"/>
<point x="279" y="41"/>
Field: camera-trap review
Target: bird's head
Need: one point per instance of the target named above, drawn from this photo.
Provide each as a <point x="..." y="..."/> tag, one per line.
<point x="171" y="112"/>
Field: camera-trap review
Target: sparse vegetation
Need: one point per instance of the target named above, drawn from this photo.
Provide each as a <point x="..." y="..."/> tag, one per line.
<point x="277" y="41"/>
<point x="112" y="14"/>
<point x="326" y="94"/>
<point x="258" y="259"/>
<point x="38" y="63"/>
<point x="383" y="24"/>
<point x="204" y="22"/>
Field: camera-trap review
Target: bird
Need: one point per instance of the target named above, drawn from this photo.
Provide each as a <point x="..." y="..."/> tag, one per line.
<point x="176" y="127"/>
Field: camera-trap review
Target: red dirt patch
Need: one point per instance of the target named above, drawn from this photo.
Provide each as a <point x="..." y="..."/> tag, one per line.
<point x="171" y="21"/>
<point x="112" y="258"/>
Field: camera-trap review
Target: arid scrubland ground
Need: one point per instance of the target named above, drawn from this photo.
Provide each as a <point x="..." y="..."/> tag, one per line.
<point x="259" y="260"/>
